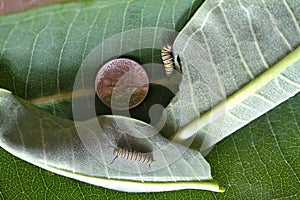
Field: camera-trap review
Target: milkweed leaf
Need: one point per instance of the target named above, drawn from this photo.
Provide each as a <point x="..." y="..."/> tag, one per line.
<point x="236" y="67"/>
<point x="82" y="150"/>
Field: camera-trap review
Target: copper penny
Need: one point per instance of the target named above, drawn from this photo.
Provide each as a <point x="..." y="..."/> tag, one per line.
<point x="122" y="84"/>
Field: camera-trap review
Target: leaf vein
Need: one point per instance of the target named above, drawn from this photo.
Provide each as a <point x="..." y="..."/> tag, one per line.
<point x="89" y="33"/>
<point x="292" y="15"/>
<point x="240" y="160"/>
<point x="123" y="24"/>
<point x="19" y="178"/>
<point x="264" y="99"/>
<point x="192" y="169"/>
<point x="168" y="167"/>
<point x="276" y="27"/>
<point x="103" y="36"/>
<point x="141" y="33"/>
<point x="32" y="54"/>
<point x="190" y="10"/>
<point x="7" y="39"/>
<point x="173" y="117"/>
<point x="63" y="47"/>
<point x="236" y="118"/>
<point x="157" y="21"/>
<point x="295" y="119"/>
<point x="279" y="148"/>
<point x="291" y="82"/>
<point x="43" y="142"/>
<point x="214" y="66"/>
<point x="173" y="14"/>
<point x="259" y="159"/>
<point x="254" y="36"/>
<point x="237" y="44"/>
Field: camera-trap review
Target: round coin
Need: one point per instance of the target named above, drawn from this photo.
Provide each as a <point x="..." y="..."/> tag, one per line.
<point x="122" y="84"/>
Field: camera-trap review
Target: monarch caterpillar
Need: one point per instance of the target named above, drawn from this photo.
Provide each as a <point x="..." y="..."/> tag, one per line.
<point x="167" y="58"/>
<point x="132" y="155"/>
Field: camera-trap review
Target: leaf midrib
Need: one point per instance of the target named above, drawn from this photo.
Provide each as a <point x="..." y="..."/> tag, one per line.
<point x="239" y="96"/>
<point x="61" y="96"/>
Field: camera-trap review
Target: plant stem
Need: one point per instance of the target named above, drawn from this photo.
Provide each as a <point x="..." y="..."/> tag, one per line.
<point x="233" y="100"/>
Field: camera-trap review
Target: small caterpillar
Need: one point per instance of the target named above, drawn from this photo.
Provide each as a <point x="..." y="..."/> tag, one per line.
<point x="132" y="155"/>
<point x="168" y="60"/>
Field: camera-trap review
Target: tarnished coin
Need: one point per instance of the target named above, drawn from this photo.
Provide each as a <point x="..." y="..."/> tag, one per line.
<point x="122" y="84"/>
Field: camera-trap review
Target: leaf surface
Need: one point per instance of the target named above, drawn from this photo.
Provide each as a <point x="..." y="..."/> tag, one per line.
<point x="42" y="49"/>
<point x="84" y="151"/>
<point x="258" y="162"/>
<point x="239" y="60"/>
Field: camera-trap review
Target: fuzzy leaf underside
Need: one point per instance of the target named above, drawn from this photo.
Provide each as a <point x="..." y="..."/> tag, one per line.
<point x="239" y="60"/>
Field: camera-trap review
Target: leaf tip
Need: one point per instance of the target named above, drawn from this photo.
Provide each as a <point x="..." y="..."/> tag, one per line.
<point x="222" y="189"/>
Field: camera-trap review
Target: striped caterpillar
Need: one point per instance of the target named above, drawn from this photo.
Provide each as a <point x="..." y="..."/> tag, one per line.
<point x="127" y="154"/>
<point x="168" y="59"/>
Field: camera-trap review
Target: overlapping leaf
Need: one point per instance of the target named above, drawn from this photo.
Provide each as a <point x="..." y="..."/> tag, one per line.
<point x="234" y="52"/>
<point x="266" y="167"/>
<point x="83" y="150"/>
<point x="257" y="162"/>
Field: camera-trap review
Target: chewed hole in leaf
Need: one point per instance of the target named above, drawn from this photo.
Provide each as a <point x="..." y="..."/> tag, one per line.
<point x="177" y="63"/>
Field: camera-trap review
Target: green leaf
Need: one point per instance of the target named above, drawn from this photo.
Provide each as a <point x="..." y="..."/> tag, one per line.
<point x="258" y="162"/>
<point x="55" y="40"/>
<point x="84" y="150"/>
<point x="239" y="60"/>
<point x="42" y="50"/>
